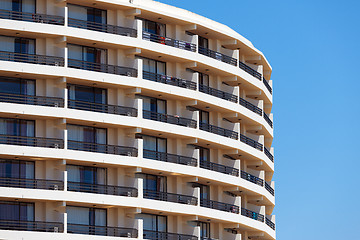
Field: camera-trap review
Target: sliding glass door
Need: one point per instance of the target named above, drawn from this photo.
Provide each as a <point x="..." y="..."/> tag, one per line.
<point x="86" y="178"/>
<point x="87" y="138"/>
<point x="86" y="220"/>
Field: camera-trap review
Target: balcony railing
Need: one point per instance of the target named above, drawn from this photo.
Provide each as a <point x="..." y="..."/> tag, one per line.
<point x="37" y="226"/>
<point x="267" y="85"/>
<point x="170" y="197"/>
<point x="251" y="142"/>
<point x="268" y="154"/>
<point x="270" y="223"/>
<point x="31" y="17"/>
<point x="249" y="70"/>
<point x="102" y="148"/>
<point x="102" y="230"/>
<point x="268" y="120"/>
<point x="101" y="67"/>
<point x="102" y="189"/>
<point x="103" y="108"/>
<point x="253" y="215"/>
<point x="269" y="188"/>
<point x="155" y="235"/>
<point x="100" y="27"/>
<point x="167" y="157"/>
<point x="186" y="122"/>
<point x="32" y="141"/>
<point x="226" y="207"/>
<point x="169" y="41"/>
<point x="250" y="106"/>
<point x="218" y="56"/>
<point x="252" y="178"/>
<point x="31" y="100"/>
<point x="31" y="183"/>
<point x="32" y="58"/>
<point x="219" y="131"/>
<point x="219" y="168"/>
<point x="169" y="80"/>
<point x="218" y="93"/>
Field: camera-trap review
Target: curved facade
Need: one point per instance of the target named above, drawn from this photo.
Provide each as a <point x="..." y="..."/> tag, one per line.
<point x="131" y="119"/>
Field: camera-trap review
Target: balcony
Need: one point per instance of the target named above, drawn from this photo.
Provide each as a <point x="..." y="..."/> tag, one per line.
<point x="269" y="188"/>
<point x="103" y="108"/>
<point x="268" y="154"/>
<point x="32" y="141"/>
<point x="252" y="178"/>
<point x="102" y="189"/>
<point x="160" y="117"/>
<point x="251" y="142"/>
<point x="170" y="197"/>
<point x="167" y="157"/>
<point x="253" y="215"/>
<point x="101" y="67"/>
<point x="102" y="148"/>
<point x="249" y="70"/>
<point x="267" y="85"/>
<point x="219" y="131"/>
<point x="270" y="223"/>
<point x="217" y="93"/>
<point x="268" y="120"/>
<point x="31" y="183"/>
<point x="32" y="100"/>
<point x="169" y="41"/>
<point x="155" y="235"/>
<point x="31" y="17"/>
<point x="226" y="207"/>
<point x="37" y="226"/>
<point x="169" y="80"/>
<point x="219" y="168"/>
<point x="100" y="27"/>
<point x="218" y="56"/>
<point x="32" y="58"/>
<point x="102" y="230"/>
<point x="250" y="106"/>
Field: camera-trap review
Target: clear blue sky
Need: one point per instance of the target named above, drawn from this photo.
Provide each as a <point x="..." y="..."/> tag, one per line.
<point x="313" y="47"/>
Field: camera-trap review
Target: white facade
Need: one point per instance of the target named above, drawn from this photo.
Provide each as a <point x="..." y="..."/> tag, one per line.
<point x="131" y="119"/>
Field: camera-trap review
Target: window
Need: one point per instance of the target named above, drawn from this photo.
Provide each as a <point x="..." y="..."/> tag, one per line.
<point x="204" y="79"/>
<point x="91" y="217"/>
<point x="87" y="54"/>
<point x="17" y="86"/>
<point x="87" y="134"/>
<point x="17" y="211"/>
<point x="155" y="144"/>
<point x="155" y="183"/>
<point x="87" y="94"/>
<point x="204" y="154"/>
<point x="204" y="192"/>
<point x="88" y="14"/>
<point x="154" y="27"/>
<point x="27" y="6"/>
<point x="204" y="229"/>
<point x="152" y="223"/>
<point x="86" y="174"/>
<point x="204" y="117"/>
<point x="17" y="169"/>
<point x="154" y="105"/>
<point x="154" y="66"/>
<point x="203" y="42"/>
<point x="17" y="127"/>
<point x="17" y="45"/>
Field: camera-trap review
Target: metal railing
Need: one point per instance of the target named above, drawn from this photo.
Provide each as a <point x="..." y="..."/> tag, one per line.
<point x="268" y="154"/>
<point x="102" y="230"/>
<point x="102" y="189"/>
<point x="101" y="27"/>
<point x="155" y="235"/>
<point x="250" y="106"/>
<point x="31" y="183"/>
<point x="31" y="141"/>
<point x="252" y="178"/>
<point x="219" y="131"/>
<point x="101" y="67"/>
<point x="249" y="70"/>
<point x="186" y="122"/>
<point x="218" y="93"/>
<point x="218" y="56"/>
<point x="269" y="188"/>
<point x="31" y="17"/>
<point x="170" y="197"/>
<point x="103" y="108"/>
<point x="102" y="148"/>
<point x="32" y="58"/>
<point x="169" y="80"/>
<point x="226" y="207"/>
<point x="251" y="142"/>
<point x="167" y="157"/>
<point x="31" y="100"/>
<point x="270" y="223"/>
<point x="219" y="168"/>
<point x="253" y="215"/>
<point x="268" y="120"/>
<point x="169" y="41"/>
<point x="37" y="226"/>
<point x="266" y="83"/>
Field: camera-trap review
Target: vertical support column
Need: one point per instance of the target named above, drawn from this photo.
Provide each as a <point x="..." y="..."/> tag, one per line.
<point x="66" y="96"/>
<point x="140" y="228"/>
<point x="139" y="66"/>
<point x="66" y="56"/>
<point x="197" y="118"/>
<point x="197" y="156"/>
<point x="197" y="194"/>
<point x="139" y="105"/>
<point x="65" y="221"/>
<point x="139" y="182"/>
<point x="66" y="16"/>
<point x="139" y="28"/>
<point x="140" y="147"/>
<point x="195" y="40"/>
<point x="197" y="232"/>
<point x="65" y="179"/>
<point x="65" y="138"/>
